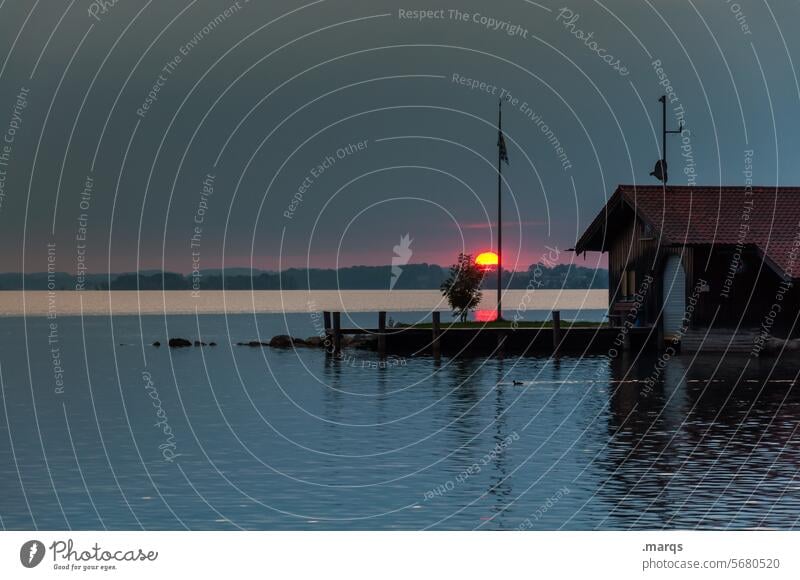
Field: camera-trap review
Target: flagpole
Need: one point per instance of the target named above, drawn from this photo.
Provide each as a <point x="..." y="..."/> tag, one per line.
<point x="499" y="211"/>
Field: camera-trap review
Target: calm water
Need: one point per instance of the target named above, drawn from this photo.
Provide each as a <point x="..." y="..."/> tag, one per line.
<point x="39" y="303"/>
<point x="267" y="439"/>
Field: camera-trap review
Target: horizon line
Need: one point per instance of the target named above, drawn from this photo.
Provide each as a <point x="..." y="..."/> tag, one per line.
<point x="154" y="271"/>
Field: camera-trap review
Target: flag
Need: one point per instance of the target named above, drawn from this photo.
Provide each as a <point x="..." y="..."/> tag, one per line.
<point x="501" y="144"/>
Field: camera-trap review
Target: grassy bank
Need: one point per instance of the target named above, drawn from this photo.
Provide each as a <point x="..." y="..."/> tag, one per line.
<point x="507" y="324"/>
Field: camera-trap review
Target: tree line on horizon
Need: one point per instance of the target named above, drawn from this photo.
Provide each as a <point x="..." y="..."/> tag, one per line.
<point x="412" y="277"/>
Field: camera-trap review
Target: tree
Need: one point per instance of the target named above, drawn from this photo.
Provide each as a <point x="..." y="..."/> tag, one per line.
<point x="463" y="287"/>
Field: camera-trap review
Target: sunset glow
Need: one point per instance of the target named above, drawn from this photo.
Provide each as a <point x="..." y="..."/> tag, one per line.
<point x="486" y="259"/>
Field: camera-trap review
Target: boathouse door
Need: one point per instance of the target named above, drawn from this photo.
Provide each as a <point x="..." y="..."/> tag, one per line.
<point x="673" y="285"/>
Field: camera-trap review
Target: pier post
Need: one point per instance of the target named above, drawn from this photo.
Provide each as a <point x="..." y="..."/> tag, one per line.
<point x="382" y="334"/>
<point x="556" y="330"/>
<point x="326" y="325"/>
<point x="337" y="333"/>
<point x="435" y="330"/>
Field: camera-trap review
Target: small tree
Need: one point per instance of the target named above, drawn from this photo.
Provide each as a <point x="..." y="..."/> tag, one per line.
<point x="463" y="287"/>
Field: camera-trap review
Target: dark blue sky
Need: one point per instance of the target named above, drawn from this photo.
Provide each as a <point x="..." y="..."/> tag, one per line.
<point x="264" y="93"/>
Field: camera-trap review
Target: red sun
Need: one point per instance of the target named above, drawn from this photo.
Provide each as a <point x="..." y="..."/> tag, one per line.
<point x="486" y="259"/>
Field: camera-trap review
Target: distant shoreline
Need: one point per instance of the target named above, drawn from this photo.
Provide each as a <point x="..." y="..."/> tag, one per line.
<point x="409" y="277"/>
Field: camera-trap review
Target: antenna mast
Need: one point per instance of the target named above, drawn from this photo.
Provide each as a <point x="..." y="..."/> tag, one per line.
<point x="660" y="171"/>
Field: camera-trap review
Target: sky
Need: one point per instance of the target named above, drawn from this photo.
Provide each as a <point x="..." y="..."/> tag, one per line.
<point x="207" y="134"/>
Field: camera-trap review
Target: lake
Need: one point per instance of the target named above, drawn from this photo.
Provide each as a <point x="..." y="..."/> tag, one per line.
<point x="101" y="430"/>
<point x="119" y="302"/>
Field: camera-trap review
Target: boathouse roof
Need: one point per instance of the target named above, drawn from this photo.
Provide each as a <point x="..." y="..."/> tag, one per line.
<point x="764" y="218"/>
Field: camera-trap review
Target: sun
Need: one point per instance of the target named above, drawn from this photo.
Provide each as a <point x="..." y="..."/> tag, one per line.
<point x="486" y="259"/>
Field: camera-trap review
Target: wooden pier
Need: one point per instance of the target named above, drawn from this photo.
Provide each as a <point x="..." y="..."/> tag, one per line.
<point x="453" y="340"/>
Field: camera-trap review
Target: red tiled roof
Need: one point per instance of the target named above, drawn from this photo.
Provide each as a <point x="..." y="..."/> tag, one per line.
<point x="767" y="218"/>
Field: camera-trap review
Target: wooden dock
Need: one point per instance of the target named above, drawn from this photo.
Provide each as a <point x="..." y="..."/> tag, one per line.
<point x="435" y="339"/>
<point x="743" y="340"/>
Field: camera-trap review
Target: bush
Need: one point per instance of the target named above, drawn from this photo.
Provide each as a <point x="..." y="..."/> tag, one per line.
<point x="462" y="289"/>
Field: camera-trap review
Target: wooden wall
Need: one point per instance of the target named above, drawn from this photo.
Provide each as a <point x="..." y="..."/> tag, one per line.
<point x="633" y="249"/>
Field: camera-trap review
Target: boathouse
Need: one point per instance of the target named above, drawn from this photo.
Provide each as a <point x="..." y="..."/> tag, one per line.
<point x="702" y="263"/>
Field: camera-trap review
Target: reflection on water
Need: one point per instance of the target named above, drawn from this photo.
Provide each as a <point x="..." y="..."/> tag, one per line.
<point x="270" y="439"/>
<point x="705" y="453"/>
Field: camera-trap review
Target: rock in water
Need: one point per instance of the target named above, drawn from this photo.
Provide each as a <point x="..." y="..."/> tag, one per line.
<point x="179" y="342"/>
<point x="281" y="341"/>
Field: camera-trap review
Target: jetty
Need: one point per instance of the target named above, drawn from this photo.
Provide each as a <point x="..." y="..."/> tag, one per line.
<point x="505" y="337"/>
